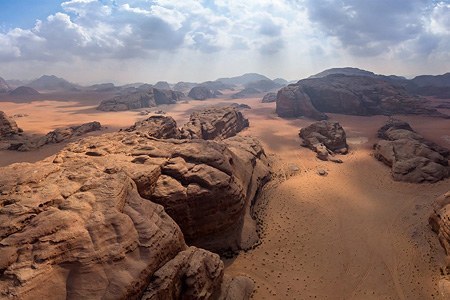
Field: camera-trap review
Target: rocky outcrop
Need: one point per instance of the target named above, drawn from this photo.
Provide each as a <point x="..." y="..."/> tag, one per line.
<point x="24" y="91"/>
<point x="214" y="123"/>
<point x="353" y="95"/>
<point x="292" y="101"/>
<point x="140" y="99"/>
<point x="200" y="93"/>
<point x="326" y="139"/>
<point x="439" y="221"/>
<point x="158" y="126"/>
<point x="87" y="224"/>
<point x="4" y="87"/>
<point x="8" y="126"/>
<point x="411" y="157"/>
<point x="269" y="98"/>
<point x="59" y="135"/>
<point x="162" y="85"/>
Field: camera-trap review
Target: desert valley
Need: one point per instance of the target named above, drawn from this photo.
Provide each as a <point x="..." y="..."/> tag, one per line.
<point x="335" y="186"/>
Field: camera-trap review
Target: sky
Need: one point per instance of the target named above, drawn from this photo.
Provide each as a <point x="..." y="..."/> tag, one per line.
<point x="124" y="41"/>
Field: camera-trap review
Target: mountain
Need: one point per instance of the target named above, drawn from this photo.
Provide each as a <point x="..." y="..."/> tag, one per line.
<point x="264" y="85"/>
<point x="430" y="80"/>
<point x="243" y="79"/>
<point x="281" y="81"/>
<point x="14" y="83"/>
<point x="349" y="71"/>
<point x="162" y="85"/>
<point x="103" y="87"/>
<point x="52" y="83"/>
<point x="24" y="91"/>
<point x="4" y="87"/>
<point x="216" y="85"/>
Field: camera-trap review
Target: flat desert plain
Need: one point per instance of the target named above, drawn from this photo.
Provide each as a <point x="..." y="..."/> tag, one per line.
<point x="352" y="234"/>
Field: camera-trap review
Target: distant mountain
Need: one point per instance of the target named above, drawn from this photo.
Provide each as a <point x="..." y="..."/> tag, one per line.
<point x="264" y="85"/>
<point x="216" y="85"/>
<point x="430" y="80"/>
<point x="4" y="87"/>
<point x="280" y="81"/>
<point x="243" y="79"/>
<point x="52" y="83"/>
<point x="13" y="83"/>
<point x="245" y="93"/>
<point x="24" y="91"/>
<point x="103" y="87"/>
<point x="162" y="85"/>
<point x="345" y="71"/>
<point x="184" y="86"/>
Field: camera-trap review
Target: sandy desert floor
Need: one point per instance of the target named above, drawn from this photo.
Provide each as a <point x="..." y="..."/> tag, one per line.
<point x="353" y="234"/>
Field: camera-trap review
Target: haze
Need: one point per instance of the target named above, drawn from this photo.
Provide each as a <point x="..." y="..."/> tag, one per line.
<point x="92" y="41"/>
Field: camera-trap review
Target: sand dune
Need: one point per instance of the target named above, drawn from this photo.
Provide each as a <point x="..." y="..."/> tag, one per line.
<point x="353" y="234"/>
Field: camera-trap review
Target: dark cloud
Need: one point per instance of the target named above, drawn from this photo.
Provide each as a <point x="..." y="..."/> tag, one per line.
<point x="369" y="27"/>
<point x="269" y="28"/>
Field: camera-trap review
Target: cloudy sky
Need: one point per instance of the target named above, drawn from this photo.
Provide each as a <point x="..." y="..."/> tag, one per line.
<point x="91" y="41"/>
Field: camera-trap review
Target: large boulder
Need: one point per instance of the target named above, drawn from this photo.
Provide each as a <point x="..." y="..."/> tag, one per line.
<point x="269" y="98"/>
<point x="214" y="123"/>
<point x="8" y="126"/>
<point x="157" y="126"/>
<point x="87" y="223"/>
<point x="353" y="95"/>
<point x="411" y="157"/>
<point x="200" y="93"/>
<point x="166" y="96"/>
<point x="325" y="138"/>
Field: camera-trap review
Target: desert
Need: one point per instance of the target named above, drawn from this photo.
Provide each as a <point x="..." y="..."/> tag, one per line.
<point x="224" y="150"/>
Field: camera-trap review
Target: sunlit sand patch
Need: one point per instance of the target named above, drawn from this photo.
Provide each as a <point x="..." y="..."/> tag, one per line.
<point x="359" y="140"/>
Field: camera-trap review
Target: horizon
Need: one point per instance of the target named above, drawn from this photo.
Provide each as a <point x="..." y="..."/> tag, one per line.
<point x="98" y="41"/>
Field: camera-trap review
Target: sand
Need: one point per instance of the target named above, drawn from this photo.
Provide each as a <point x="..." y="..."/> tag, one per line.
<point x="352" y="234"/>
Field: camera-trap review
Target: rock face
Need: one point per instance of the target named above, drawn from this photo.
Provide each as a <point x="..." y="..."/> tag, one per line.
<point x="8" y="126"/>
<point x="24" y="91"/>
<point x="51" y="82"/>
<point x="411" y="157"/>
<point x="263" y="85"/>
<point x="269" y="98"/>
<point x="162" y="85"/>
<point x="160" y="127"/>
<point x="200" y="93"/>
<point x="326" y="139"/>
<point x="353" y="95"/>
<point x="139" y="99"/>
<point x="27" y="143"/>
<point x="4" y="87"/>
<point x="87" y="223"/>
<point x="292" y="101"/>
<point x="214" y="123"/>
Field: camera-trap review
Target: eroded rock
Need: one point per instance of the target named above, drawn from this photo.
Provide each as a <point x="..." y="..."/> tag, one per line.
<point x="326" y="139"/>
<point x="214" y="123"/>
<point x="411" y="157"/>
<point x="8" y="127"/>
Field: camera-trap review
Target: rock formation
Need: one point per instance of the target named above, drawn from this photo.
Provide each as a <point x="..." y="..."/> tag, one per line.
<point x="158" y="126"/>
<point x="247" y="92"/>
<point x="200" y="93"/>
<point x="214" y="123"/>
<point x="139" y="99"/>
<point x="86" y="223"/>
<point x="4" y="87"/>
<point x="411" y="157"/>
<point x="439" y="221"/>
<point x="326" y="139"/>
<point x="24" y="91"/>
<point x="24" y="142"/>
<point x="8" y="126"/>
<point x="353" y="95"/>
<point x="162" y="85"/>
<point x="292" y="101"/>
<point x="269" y="98"/>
